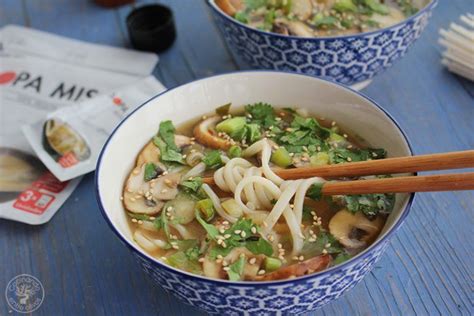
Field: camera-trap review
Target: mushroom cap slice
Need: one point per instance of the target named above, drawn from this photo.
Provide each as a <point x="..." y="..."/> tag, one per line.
<point x="205" y="134"/>
<point x="165" y="187"/>
<point x="133" y="194"/>
<point x="312" y="265"/>
<point x="354" y="230"/>
<point x="150" y="153"/>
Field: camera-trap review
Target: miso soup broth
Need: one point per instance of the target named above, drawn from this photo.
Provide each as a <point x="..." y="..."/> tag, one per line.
<point x="204" y="196"/>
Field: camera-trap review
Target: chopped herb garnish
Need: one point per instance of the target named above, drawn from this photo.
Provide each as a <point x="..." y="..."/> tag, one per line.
<point x="192" y="185"/>
<point x="321" y="21"/>
<point x="236" y="269"/>
<point x="377" y="7"/>
<point x="151" y="171"/>
<point x="261" y="114"/>
<point x="315" y="248"/>
<point x="370" y="204"/>
<point x="235" y="151"/>
<point x="345" y="6"/>
<point x="167" y="154"/>
<point x="260" y="246"/>
<point x="212" y="159"/>
<point x="211" y="230"/>
<point x="315" y="191"/>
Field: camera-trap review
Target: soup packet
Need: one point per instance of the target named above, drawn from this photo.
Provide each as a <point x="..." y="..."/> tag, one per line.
<point x="69" y="140"/>
<point x="30" y="88"/>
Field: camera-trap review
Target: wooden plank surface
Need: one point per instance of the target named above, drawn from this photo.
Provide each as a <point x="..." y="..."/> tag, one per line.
<point x="427" y="269"/>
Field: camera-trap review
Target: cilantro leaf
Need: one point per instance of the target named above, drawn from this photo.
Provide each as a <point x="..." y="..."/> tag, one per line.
<point x="211" y="230"/>
<point x="370" y="204"/>
<point x="192" y="185"/>
<point x="166" y="153"/>
<point x="166" y="132"/>
<point x="315" y="191"/>
<point x="236" y="269"/>
<point x="262" y="114"/>
<point x="260" y="246"/>
<point x="151" y="172"/>
<point x="185" y="260"/>
<point x="212" y="159"/>
<point x="341" y="155"/>
<point x="315" y="248"/>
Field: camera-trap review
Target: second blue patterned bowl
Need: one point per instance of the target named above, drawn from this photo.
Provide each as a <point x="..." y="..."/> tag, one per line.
<point x="350" y="60"/>
<point x="355" y="112"/>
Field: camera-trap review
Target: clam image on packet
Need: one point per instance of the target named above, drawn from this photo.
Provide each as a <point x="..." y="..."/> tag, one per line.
<point x="69" y="140"/>
<point x="41" y="73"/>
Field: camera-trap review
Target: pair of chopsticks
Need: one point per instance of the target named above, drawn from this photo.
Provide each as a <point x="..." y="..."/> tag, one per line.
<point x="442" y="182"/>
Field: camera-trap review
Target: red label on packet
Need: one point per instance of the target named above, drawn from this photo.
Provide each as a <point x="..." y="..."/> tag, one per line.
<point x="68" y="160"/>
<point x="50" y="183"/>
<point x="33" y="201"/>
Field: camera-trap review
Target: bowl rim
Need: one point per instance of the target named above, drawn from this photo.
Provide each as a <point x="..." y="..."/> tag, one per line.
<point x="359" y="257"/>
<point x="428" y="7"/>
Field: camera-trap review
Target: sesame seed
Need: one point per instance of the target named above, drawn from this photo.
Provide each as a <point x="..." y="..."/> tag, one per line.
<point x="121" y="198"/>
<point x="219" y="241"/>
<point x="225" y="263"/>
<point x="313" y="213"/>
<point x="174" y="246"/>
<point x="140" y="222"/>
<point x="278" y="119"/>
<point x="227" y="236"/>
<point x="301" y="258"/>
<point x="134" y="220"/>
<point x="219" y="256"/>
<point x="324" y="251"/>
<point x="167" y="181"/>
<point x="261" y="272"/>
<point x="237" y="232"/>
<point x="242" y="255"/>
<point x="224" y="245"/>
<point x="152" y="218"/>
<point x="265" y="224"/>
<point x="295" y="258"/>
<point x="280" y="245"/>
<point x="222" y="230"/>
<point x="349" y="146"/>
<point x="292" y="206"/>
<point x="345" y="135"/>
<point x="204" y="117"/>
<point x="169" y="208"/>
<point x="271" y="237"/>
<point x="349" y="159"/>
<point x="243" y="234"/>
<point x="252" y="260"/>
<point x="132" y="199"/>
<point x="201" y="259"/>
<point x="327" y="245"/>
<point x="226" y="268"/>
<point x="253" y="230"/>
<point x="319" y="148"/>
<point x="333" y="123"/>
<point x="225" y="223"/>
<point x="164" y="191"/>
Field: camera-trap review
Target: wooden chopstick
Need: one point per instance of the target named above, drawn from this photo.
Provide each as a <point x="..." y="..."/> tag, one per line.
<point x="443" y="161"/>
<point x="430" y="183"/>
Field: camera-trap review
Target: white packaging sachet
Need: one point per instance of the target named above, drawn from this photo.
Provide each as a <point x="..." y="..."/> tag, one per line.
<point x="69" y="140"/>
<point x="30" y="88"/>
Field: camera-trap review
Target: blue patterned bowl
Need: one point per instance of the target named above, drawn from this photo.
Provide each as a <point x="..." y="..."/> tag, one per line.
<point x="353" y="111"/>
<point x="352" y="59"/>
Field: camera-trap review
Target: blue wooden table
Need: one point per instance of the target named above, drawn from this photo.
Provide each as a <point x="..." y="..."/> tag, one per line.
<point x="427" y="269"/>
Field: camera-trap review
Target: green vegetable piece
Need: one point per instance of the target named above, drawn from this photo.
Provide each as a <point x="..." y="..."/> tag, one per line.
<point x="212" y="159"/>
<point x="211" y="230"/>
<point x="183" y="261"/>
<point x="340" y="258"/>
<point x="346" y="23"/>
<point x="345" y="6"/>
<point x="334" y="137"/>
<point x="281" y="157"/>
<point x="255" y="4"/>
<point x="269" y="19"/>
<point x="260" y="246"/>
<point x="271" y="264"/>
<point x="166" y="132"/>
<point x="253" y="133"/>
<point x="192" y="185"/>
<point x="151" y="172"/>
<point x="206" y="209"/>
<point x="261" y="114"/>
<point x="241" y="17"/>
<point x="315" y="191"/>
<point x="321" y="21"/>
<point x="319" y="159"/>
<point x="235" y="151"/>
<point x="236" y="269"/>
<point x="232" y="126"/>
<point x="223" y="109"/>
<point x="167" y="154"/>
<point x="377" y="7"/>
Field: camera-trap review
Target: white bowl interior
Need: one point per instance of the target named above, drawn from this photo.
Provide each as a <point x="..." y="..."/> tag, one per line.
<point x="352" y="111"/>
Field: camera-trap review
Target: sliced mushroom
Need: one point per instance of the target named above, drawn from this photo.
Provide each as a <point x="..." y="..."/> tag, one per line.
<point x="302" y="8"/>
<point x="133" y="195"/>
<point x="250" y="270"/>
<point x="182" y="141"/>
<point x="150" y="153"/>
<point x="299" y="28"/>
<point x="354" y="230"/>
<point x="205" y="133"/>
<point x="309" y="266"/>
<point x="230" y="7"/>
<point x="280" y="28"/>
<point x="165" y="187"/>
